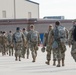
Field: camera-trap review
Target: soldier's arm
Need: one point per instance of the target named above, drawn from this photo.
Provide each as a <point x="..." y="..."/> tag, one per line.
<point x="39" y="40"/>
<point x="13" y="38"/>
<point x="70" y="37"/>
<point x="44" y="39"/>
<point x="50" y="37"/>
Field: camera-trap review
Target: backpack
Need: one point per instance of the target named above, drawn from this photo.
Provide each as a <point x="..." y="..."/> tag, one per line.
<point x="60" y="33"/>
<point x="18" y="37"/>
<point x="74" y="33"/>
<point x="34" y="36"/>
<point x="10" y="37"/>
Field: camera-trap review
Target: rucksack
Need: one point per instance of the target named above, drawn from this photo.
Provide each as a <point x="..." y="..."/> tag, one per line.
<point x="60" y="33"/>
<point x="10" y="37"/>
<point x="74" y="33"/>
<point x="34" y="36"/>
<point x="18" y="37"/>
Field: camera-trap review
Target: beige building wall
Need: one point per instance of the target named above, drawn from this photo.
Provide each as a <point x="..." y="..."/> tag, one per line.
<point x="6" y="9"/>
<point x="18" y="9"/>
<point x="26" y="9"/>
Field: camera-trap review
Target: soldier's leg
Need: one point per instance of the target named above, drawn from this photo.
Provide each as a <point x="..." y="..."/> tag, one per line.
<point x="54" y="57"/>
<point x="48" y="57"/>
<point x="19" y="54"/>
<point x="33" y="55"/>
<point x="54" y="62"/>
<point x="28" y="52"/>
<point x="19" y="58"/>
<point x="12" y="51"/>
<point x="23" y="52"/>
<point x="16" y="55"/>
<point x="32" y="52"/>
<point x="73" y="55"/>
<point x="4" y="50"/>
<point x="9" y="52"/>
<point x="62" y="61"/>
<point x="63" y="58"/>
<point x="59" y="57"/>
<point x="58" y="65"/>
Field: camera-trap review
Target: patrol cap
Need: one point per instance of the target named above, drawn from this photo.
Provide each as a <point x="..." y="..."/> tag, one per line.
<point x="32" y="26"/>
<point x="50" y="25"/>
<point x="18" y="28"/>
<point x="24" y="28"/>
<point x="57" y="22"/>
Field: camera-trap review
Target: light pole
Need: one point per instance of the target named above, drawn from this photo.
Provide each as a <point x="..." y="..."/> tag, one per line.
<point x="14" y="9"/>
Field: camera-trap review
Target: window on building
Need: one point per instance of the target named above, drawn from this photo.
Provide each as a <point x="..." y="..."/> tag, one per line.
<point x="4" y="14"/>
<point x="29" y="14"/>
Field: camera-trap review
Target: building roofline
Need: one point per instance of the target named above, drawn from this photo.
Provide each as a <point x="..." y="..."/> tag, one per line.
<point x="33" y="2"/>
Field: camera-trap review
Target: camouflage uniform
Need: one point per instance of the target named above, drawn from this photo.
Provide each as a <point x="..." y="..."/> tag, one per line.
<point x="0" y="41"/>
<point x="18" y="45"/>
<point x="45" y="39"/>
<point x="33" y="43"/>
<point x="59" y="52"/>
<point x="25" y="47"/>
<point x="49" y="44"/>
<point x="10" y="43"/>
<point x="73" y="43"/>
<point x="4" y="42"/>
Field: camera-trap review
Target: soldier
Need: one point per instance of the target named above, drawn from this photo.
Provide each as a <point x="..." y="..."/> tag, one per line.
<point x="4" y="42"/>
<point x="25" y="47"/>
<point x="45" y="39"/>
<point x="72" y="40"/>
<point x="49" y="44"/>
<point x="59" y="47"/>
<point x="0" y="41"/>
<point x="10" y="43"/>
<point x="33" y="37"/>
<point x="18" y="39"/>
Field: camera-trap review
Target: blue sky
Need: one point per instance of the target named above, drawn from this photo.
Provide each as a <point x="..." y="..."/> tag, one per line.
<point x="65" y="8"/>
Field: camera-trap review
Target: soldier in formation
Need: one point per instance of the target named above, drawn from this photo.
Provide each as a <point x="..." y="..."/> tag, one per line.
<point x="72" y="40"/>
<point x="3" y="42"/>
<point x="25" y="47"/>
<point x="49" y="44"/>
<point x="60" y="33"/>
<point x="10" y="43"/>
<point x="34" y="39"/>
<point x="18" y="40"/>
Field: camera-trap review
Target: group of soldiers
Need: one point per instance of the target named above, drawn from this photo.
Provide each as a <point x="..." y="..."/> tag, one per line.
<point x="20" y="43"/>
<point x="54" y="42"/>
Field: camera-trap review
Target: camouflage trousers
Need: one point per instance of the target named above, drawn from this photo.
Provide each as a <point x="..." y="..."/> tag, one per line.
<point x="25" y="50"/>
<point x="48" y="50"/>
<point x="11" y="50"/>
<point x="4" y="49"/>
<point x="59" y="53"/>
<point x="73" y="51"/>
<point x="33" y="48"/>
<point x="18" y="49"/>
